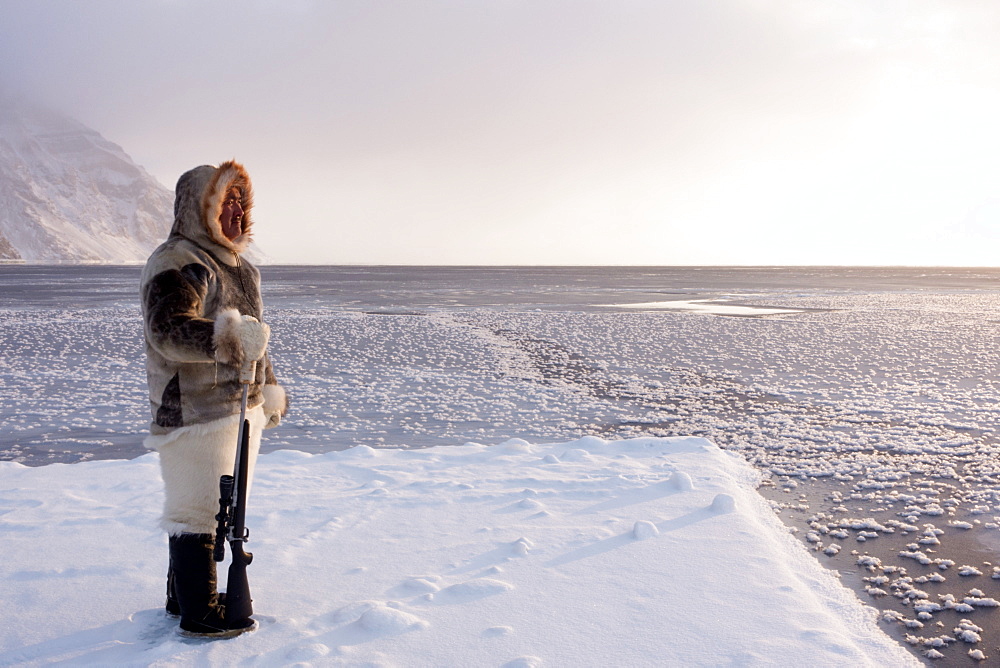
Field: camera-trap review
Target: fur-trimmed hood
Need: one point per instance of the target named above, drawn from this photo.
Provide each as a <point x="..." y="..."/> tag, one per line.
<point x="195" y="287"/>
<point x="198" y="204"/>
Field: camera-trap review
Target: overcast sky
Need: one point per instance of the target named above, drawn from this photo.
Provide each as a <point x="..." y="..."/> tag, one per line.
<point x="553" y="132"/>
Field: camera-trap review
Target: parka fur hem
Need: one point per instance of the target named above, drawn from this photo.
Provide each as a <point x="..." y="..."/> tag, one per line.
<point x="202" y="430"/>
<point x="192" y="459"/>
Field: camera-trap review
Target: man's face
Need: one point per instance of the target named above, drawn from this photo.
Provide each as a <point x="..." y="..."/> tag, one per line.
<point x="231" y="217"/>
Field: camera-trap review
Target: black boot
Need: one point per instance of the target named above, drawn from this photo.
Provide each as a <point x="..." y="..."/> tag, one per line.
<point x="172" y="607"/>
<point x="194" y="583"/>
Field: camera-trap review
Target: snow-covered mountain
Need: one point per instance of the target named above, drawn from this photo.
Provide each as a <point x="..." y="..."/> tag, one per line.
<point x="69" y="195"/>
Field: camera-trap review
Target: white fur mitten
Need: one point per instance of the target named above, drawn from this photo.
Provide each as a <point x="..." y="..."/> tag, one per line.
<point x="254" y="336"/>
<point x="253" y="339"/>
<point x="275" y="404"/>
<point x="239" y="339"/>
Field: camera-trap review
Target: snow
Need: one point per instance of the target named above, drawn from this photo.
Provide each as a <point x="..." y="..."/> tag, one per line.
<point x="638" y="552"/>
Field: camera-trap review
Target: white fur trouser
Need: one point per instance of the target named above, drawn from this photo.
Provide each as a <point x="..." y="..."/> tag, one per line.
<point x="192" y="459"/>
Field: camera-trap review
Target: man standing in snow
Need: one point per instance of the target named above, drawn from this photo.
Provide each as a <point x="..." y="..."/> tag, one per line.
<point x="202" y="313"/>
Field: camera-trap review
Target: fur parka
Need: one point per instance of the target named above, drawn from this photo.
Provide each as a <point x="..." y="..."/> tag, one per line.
<point x="194" y="289"/>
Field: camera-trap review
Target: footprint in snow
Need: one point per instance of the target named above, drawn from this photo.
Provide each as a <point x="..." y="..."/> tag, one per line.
<point x="723" y="503"/>
<point x="524" y="662"/>
<point x="643" y="530"/>
<point x="309" y="652"/>
<point x="497" y="631"/>
<point x="522" y="505"/>
<point x="504" y="552"/>
<point x="425" y="584"/>
<point x="515" y="446"/>
<point x="383" y="621"/>
<point x="370" y="618"/>
<point x="155" y="626"/>
<point x="321" y="530"/>
<point x="471" y="590"/>
<point x="521" y="547"/>
<point x="681" y="481"/>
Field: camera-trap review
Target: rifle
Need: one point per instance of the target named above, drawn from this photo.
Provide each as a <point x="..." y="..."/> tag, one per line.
<point x="232" y="522"/>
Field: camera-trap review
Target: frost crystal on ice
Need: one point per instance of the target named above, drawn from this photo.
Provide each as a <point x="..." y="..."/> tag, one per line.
<point x="968" y="632"/>
<point x="981" y="602"/>
<point x="869" y="562"/>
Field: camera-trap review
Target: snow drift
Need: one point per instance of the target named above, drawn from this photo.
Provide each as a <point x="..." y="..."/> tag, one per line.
<point x="649" y="551"/>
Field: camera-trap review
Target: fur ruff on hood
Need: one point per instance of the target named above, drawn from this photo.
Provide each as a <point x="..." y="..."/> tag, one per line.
<point x="198" y="205"/>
